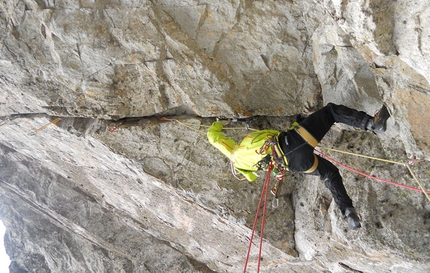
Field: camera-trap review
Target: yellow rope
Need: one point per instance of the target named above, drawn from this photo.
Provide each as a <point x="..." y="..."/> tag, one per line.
<point x="54" y="122"/>
<point x="419" y="183"/>
<point x="190" y="126"/>
<point x="365" y="156"/>
<point x="384" y="160"/>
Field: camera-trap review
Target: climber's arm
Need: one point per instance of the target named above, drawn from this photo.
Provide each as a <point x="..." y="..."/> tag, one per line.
<point x="219" y="140"/>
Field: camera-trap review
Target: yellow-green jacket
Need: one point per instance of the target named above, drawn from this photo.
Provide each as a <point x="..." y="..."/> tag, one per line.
<point x="244" y="155"/>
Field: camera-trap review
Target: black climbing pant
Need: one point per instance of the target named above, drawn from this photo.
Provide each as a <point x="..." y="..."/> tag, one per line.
<point x="300" y="154"/>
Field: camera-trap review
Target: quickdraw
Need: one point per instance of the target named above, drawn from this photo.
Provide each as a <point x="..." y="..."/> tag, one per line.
<point x="277" y="160"/>
<point x="113" y="129"/>
<point x="276" y="157"/>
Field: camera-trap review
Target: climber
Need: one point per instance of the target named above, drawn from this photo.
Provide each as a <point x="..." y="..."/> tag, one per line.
<point x="297" y="145"/>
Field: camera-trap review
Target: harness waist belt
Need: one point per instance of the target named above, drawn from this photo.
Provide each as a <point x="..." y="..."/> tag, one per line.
<point x="314" y="166"/>
<point x="311" y="141"/>
<point x="306" y="136"/>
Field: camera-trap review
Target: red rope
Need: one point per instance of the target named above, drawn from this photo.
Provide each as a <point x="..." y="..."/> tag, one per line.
<point x="368" y="175"/>
<point x="166" y="119"/>
<point x="116" y="127"/>
<point x="264" y="196"/>
<point x="264" y="216"/>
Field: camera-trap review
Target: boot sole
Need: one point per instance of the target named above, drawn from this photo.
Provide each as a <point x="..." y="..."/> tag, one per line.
<point x="381" y="120"/>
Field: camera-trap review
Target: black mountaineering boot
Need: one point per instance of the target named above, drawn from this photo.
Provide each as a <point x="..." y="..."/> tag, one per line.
<point x="378" y="123"/>
<point x="354" y="222"/>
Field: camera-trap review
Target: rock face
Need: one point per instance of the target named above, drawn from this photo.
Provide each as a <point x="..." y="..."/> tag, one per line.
<point x="92" y="181"/>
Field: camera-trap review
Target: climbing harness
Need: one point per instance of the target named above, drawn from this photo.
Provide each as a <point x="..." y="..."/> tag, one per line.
<point x="310" y="139"/>
<point x="306" y="135"/>
<point x="263" y="198"/>
<point x="279" y="161"/>
<point x="277" y="156"/>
